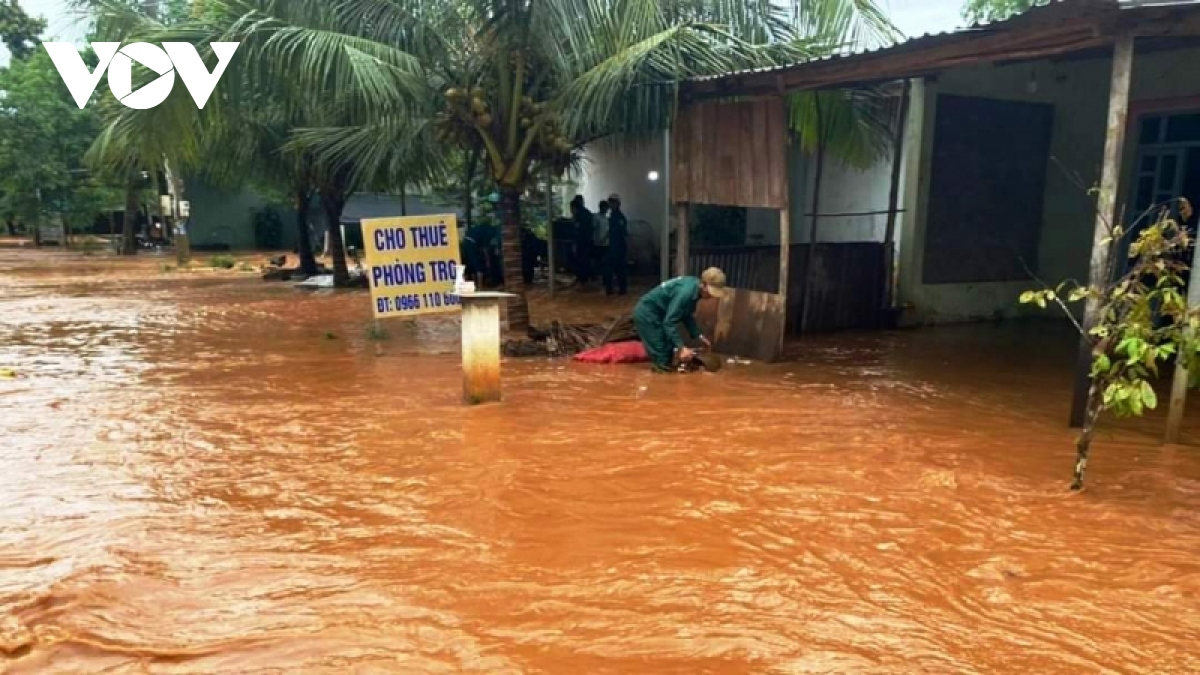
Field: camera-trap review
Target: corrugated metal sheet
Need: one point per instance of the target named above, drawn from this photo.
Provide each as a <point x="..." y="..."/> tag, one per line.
<point x="1042" y="14"/>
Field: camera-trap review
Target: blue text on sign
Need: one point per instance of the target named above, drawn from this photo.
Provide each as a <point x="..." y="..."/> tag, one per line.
<point x="408" y="274"/>
<point x="419" y="236"/>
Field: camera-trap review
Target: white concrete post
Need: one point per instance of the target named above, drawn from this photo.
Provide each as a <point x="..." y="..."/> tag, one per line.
<point x="481" y="346"/>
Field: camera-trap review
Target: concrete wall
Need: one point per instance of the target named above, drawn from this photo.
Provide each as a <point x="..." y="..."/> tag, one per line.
<point x="622" y="166"/>
<point x="1079" y="91"/>
<point x="226" y="218"/>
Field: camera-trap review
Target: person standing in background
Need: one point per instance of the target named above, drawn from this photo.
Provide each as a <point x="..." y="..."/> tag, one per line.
<point x="600" y="239"/>
<point x="584" y="227"/>
<point x="616" y="254"/>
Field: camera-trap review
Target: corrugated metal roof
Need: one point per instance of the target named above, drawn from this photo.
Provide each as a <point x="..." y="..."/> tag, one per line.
<point x="1032" y="15"/>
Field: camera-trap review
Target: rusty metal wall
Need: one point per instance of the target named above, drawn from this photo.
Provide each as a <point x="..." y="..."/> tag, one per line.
<point x="848" y="287"/>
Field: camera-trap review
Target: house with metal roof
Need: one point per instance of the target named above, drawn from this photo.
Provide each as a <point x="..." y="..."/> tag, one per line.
<point x="1019" y="143"/>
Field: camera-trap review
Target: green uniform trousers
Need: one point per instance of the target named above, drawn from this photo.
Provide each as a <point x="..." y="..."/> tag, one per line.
<point x="653" y="335"/>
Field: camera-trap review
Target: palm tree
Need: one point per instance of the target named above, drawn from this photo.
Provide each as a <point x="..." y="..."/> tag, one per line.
<point x="527" y="83"/>
<point x="249" y="142"/>
<point x="852" y="125"/>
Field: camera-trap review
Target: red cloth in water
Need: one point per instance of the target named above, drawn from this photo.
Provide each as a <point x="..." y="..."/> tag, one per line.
<point x="618" y="352"/>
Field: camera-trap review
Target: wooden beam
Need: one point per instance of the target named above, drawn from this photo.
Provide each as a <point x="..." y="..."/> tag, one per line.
<point x="1106" y="217"/>
<point x="683" y="239"/>
<point x="1179" y="387"/>
<point x="785" y="261"/>
<point x="550" y="229"/>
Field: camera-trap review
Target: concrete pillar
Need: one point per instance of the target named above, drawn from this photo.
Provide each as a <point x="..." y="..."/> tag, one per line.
<point x="481" y="346"/>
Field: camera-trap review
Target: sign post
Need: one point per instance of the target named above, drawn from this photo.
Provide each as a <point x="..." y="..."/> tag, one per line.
<point x="412" y="267"/>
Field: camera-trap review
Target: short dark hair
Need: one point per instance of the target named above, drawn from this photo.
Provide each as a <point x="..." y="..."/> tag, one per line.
<point x="604" y="206"/>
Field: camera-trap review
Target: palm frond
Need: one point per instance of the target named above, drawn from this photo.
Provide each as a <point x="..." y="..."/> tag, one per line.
<point x="855" y="125"/>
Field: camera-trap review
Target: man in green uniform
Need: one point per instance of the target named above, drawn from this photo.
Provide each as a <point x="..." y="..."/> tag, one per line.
<point x="659" y="313"/>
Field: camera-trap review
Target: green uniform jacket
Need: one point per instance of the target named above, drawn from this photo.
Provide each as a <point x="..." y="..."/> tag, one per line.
<point x="672" y="303"/>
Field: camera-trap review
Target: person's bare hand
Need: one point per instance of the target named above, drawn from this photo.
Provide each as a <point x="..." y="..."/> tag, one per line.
<point x="686" y="354"/>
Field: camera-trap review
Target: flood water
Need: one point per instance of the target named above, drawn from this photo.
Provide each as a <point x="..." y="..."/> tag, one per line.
<point x="203" y="473"/>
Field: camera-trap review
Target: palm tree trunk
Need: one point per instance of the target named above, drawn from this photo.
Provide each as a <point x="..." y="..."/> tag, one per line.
<point x="469" y="187"/>
<point x="304" y="248"/>
<point x="162" y="213"/>
<point x="810" y="267"/>
<point x="510" y="254"/>
<point x="334" y="202"/>
<point x="128" y="229"/>
<point x="183" y="241"/>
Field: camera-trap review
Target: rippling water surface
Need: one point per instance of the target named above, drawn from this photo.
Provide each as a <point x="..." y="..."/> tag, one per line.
<point x="201" y="473"/>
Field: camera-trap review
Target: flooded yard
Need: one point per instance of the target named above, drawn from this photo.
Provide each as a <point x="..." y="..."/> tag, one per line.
<point x="204" y="473"/>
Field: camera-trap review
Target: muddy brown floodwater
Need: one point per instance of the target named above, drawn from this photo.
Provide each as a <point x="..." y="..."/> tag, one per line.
<point x="202" y="473"/>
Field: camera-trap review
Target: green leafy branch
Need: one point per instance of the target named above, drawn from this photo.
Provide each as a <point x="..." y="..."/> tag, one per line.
<point x="1141" y="318"/>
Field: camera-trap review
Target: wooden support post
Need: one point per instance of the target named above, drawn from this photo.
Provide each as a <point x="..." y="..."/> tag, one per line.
<point x="785" y="264"/>
<point x="550" y="228"/>
<point x="1106" y="216"/>
<point x="1180" y="386"/>
<point x="481" y="346"/>
<point x="683" y="239"/>
<point x="889" y="237"/>
<point x="664" y="255"/>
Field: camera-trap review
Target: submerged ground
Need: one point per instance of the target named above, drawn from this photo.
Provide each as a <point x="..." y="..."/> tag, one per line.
<point x="203" y="473"/>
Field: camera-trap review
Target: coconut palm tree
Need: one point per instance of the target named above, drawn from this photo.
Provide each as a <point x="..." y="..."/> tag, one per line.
<point x="851" y="126"/>
<point x="526" y="82"/>
<point x="529" y="82"/>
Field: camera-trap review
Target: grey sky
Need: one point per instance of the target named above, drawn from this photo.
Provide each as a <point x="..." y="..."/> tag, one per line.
<point x="913" y="17"/>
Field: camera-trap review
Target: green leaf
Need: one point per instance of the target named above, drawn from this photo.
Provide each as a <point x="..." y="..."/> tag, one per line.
<point x="1149" y="398"/>
<point x="1027" y="297"/>
<point x="1077" y="294"/>
<point x="1101" y="365"/>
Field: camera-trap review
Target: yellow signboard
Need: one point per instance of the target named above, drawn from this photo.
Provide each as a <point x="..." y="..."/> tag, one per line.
<point x="412" y="264"/>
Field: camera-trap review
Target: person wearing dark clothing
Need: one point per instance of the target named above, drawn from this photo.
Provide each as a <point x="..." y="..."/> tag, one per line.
<point x="600" y="238"/>
<point x="476" y="242"/>
<point x="616" y="254"/>
<point x="584" y="229"/>
<point x="659" y="313"/>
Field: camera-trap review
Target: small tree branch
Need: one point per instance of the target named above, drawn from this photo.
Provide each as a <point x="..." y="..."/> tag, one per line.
<point x="1066" y="310"/>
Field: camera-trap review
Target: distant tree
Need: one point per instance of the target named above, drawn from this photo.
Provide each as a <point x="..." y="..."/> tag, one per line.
<point x="987" y="11"/>
<point x="19" y="30"/>
<point x="43" y="138"/>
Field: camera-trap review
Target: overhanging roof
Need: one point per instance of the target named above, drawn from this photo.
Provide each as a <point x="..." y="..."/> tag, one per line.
<point x="1057" y="29"/>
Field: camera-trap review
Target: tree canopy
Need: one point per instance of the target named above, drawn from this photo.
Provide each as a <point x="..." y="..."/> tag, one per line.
<point x="987" y="11"/>
<point x="19" y="30"/>
<point x="383" y="92"/>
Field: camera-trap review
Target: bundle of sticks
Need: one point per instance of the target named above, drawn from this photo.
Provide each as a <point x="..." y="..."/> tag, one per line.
<point x="564" y="339"/>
